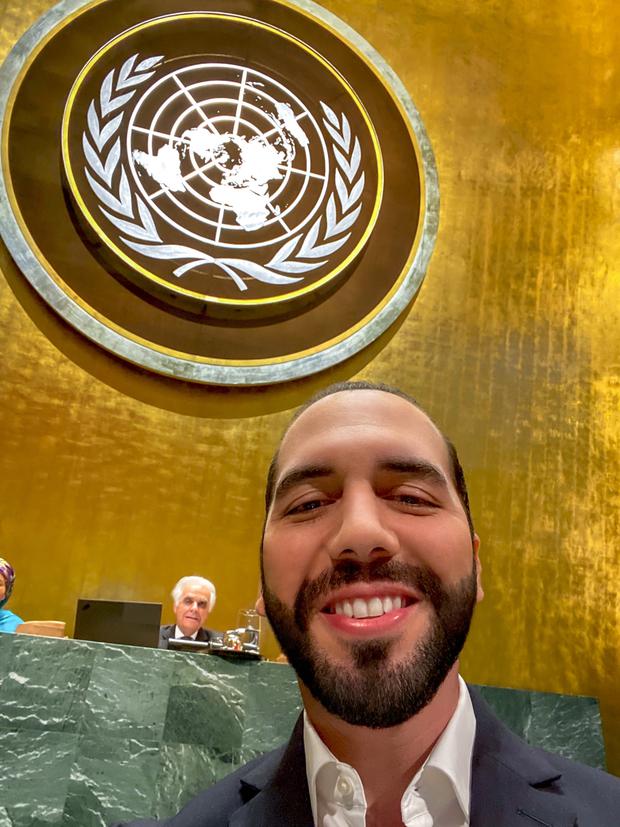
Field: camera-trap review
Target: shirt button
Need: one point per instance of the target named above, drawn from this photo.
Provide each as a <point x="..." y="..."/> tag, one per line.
<point x="344" y="786"/>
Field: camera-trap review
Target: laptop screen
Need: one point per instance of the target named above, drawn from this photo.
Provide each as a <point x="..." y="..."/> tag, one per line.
<point x="118" y="621"/>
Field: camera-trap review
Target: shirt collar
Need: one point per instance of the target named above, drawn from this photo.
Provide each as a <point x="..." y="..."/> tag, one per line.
<point x="178" y="634"/>
<point x="453" y="751"/>
<point x="451" y="755"/>
<point x="318" y="756"/>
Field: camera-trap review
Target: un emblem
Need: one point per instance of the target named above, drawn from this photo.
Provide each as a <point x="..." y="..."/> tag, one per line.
<point x="240" y="199"/>
<point x="215" y="179"/>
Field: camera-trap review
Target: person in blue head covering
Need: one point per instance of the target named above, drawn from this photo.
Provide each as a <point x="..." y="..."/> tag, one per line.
<point x="8" y="621"/>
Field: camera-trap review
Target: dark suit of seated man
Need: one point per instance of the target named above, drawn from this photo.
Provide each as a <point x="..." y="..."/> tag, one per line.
<point x="193" y="598"/>
<point x="370" y="576"/>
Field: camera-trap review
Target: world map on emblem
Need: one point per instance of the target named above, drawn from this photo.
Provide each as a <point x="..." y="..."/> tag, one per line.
<point x="216" y="180"/>
<point x="246" y="139"/>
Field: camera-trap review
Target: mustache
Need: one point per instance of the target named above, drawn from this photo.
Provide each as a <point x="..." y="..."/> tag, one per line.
<point x="346" y="572"/>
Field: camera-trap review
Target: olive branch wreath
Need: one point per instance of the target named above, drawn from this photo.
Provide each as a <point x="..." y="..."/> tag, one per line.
<point x="116" y="201"/>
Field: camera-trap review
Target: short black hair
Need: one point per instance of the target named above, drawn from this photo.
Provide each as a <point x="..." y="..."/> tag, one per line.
<point x="458" y="477"/>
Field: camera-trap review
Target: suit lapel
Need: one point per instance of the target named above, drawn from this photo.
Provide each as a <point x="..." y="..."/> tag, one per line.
<point x="277" y="790"/>
<point x="512" y="784"/>
<point x="164" y="636"/>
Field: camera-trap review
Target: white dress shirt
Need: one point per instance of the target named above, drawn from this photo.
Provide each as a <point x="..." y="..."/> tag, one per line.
<point x="437" y="796"/>
<point x="178" y="634"/>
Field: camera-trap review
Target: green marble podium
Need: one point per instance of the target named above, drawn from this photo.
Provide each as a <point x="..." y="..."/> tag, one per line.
<point x="91" y="733"/>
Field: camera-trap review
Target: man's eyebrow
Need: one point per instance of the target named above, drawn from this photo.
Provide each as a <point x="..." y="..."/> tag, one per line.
<point x="417" y="468"/>
<point x="299" y="475"/>
<point x="412" y="467"/>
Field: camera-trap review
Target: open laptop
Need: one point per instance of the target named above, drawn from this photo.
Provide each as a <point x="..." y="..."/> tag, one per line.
<point x="118" y="621"/>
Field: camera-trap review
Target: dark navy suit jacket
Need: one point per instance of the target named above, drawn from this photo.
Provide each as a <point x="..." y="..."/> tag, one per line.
<point x="167" y="632"/>
<point x="512" y="785"/>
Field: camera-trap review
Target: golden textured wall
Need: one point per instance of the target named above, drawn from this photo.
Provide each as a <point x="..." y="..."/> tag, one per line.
<point x="114" y="482"/>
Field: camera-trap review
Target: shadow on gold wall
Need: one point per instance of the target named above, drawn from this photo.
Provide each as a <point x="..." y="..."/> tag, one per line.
<point x="182" y="397"/>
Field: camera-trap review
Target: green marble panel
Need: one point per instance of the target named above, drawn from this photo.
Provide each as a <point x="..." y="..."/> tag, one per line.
<point x="200" y="715"/>
<point x="206" y="705"/>
<point x="128" y="692"/>
<point x="9" y="644"/>
<point x="210" y="670"/>
<point x="514" y="708"/>
<point x="21" y="817"/>
<point x="567" y="724"/>
<point x="185" y="770"/>
<point x="112" y="778"/>
<point x="34" y="774"/>
<point x="48" y="691"/>
<point x="272" y="706"/>
<point x="564" y="724"/>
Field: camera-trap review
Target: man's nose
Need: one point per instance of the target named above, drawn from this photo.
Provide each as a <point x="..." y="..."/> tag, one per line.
<point x="362" y="530"/>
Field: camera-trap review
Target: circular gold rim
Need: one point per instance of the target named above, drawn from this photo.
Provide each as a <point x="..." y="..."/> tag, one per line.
<point x="299" y="363"/>
<point x="170" y="286"/>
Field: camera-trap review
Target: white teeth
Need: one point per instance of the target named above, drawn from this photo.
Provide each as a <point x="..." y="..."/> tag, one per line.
<point x="375" y="607"/>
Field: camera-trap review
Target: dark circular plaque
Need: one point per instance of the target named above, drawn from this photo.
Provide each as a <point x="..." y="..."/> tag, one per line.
<point x="236" y="195"/>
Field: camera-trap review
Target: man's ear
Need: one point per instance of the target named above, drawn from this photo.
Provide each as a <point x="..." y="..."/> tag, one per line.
<point x="478" y="564"/>
<point x="260" y="606"/>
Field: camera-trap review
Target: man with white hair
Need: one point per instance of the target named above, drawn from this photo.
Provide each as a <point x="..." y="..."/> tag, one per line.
<point x="193" y="598"/>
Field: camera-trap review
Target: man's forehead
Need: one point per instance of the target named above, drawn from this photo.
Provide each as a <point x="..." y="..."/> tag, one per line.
<point x="360" y="415"/>
<point x="196" y="589"/>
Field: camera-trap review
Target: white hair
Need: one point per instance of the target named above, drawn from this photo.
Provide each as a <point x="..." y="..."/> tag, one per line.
<point x="193" y="581"/>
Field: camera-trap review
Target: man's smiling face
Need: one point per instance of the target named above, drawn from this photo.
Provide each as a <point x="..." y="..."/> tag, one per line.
<point x="370" y="574"/>
<point x="192" y="609"/>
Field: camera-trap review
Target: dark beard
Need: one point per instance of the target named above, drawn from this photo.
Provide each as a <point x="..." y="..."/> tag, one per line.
<point x="374" y="693"/>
